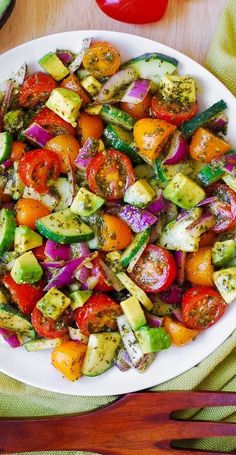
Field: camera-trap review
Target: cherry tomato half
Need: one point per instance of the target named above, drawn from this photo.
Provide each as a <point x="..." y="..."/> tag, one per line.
<point x="24" y="295"/>
<point x="98" y="314"/>
<point x="98" y="272"/>
<point x="53" y="123"/>
<point x="49" y="328"/>
<point x="155" y="270"/>
<point x="224" y="208"/>
<point x="202" y="306"/>
<point x="35" y="89"/>
<point x="173" y="112"/>
<point x="37" y="167"/>
<point x="134" y="11"/>
<point x="109" y="174"/>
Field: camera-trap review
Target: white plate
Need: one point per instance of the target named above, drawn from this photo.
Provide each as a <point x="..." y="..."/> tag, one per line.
<point x="35" y="368"/>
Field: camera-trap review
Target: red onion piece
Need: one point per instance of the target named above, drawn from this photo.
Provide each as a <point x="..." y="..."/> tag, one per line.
<point x="10" y="337"/>
<point x="5" y="102"/>
<point x="65" y="56"/>
<point x="205" y="222"/>
<point x="82" y="275"/>
<point x="65" y="275"/>
<point x="121" y="361"/>
<point x="158" y="204"/>
<point x="7" y="164"/>
<point x="153" y="320"/>
<point x="37" y="134"/>
<point x="180" y="257"/>
<point x="75" y="64"/>
<point x="87" y="152"/>
<point x="77" y="335"/>
<point x="57" y="251"/>
<point x="173" y="295"/>
<point x="136" y="92"/>
<point x="52" y="264"/>
<point x="71" y="180"/>
<point x="110" y="92"/>
<point x="208" y="200"/>
<point x="138" y="219"/>
<point x="219" y="123"/>
<point x="178" y="149"/>
<point x="229" y="168"/>
<point x="178" y="314"/>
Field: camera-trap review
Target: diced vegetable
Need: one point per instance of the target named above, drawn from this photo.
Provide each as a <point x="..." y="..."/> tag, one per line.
<point x="136" y="92"/>
<point x="135" y="249"/>
<point x="138" y="219"/>
<point x="122" y="140"/>
<point x="86" y="203"/>
<point x="37" y="134"/>
<point x="178" y="150"/>
<point x="65" y="103"/>
<point x="75" y="64"/>
<point x="64" y="275"/>
<point x="135" y="290"/>
<point x="113" y="88"/>
<point x="184" y="192"/>
<point x="176" y="236"/>
<point x="42" y="344"/>
<point x="134" y="313"/>
<point x="188" y="128"/>
<point x="87" y="152"/>
<point x="13" y="319"/>
<point x="91" y="85"/>
<point x="56" y="251"/>
<point x="223" y="252"/>
<point x="101" y="352"/>
<point x="225" y="281"/>
<point x="10" y="337"/>
<point x="152" y="66"/>
<point x="7" y="229"/>
<point x="112" y="114"/>
<point x="205" y="146"/>
<point x="178" y="88"/>
<point x="151" y="135"/>
<point x="54" y="66"/>
<point x="152" y="339"/>
<point x="5" y="146"/>
<point x="139" y="194"/>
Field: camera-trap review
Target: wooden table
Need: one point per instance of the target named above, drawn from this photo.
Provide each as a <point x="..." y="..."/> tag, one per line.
<point x="188" y="24"/>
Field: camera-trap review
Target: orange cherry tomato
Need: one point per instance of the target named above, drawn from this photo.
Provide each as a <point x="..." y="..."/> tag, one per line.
<point x="151" y="135"/>
<point x="89" y="126"/>
<point x="179" y="334"/>
<point x="28" y="211"/>
<point x="115" y="233"/>
<point x="17" y="151"/>
<point x="205" y="146"/>
<point x="39" y="252"/>
<point x="199" y="267"/>
<point x="72" y="82"/>
<point x="35" y="89"/>
<point x="207" y="239"/>
<point x="101" y="59"/>
<point x="65" y="146"/>
<point x="68" y="359"/>
<point x="139" y="110"/>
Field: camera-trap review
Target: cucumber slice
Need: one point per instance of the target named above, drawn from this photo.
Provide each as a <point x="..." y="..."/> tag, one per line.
<point x="122" y="140"/>
<point x="201" y="119"/>
<point x="42" y="344"/>
<point x="86" y="203"/>
<point x="139" y="241"/>
<point x="135" y="290"/>
<point x="12" y="319"/>
<point x="5" y="145"/>
<point x="152" y="66"/>
<point x="101" y="352"/>
<point x="7" y="229"/>
<point x="64" y="227"/>
<point x="112" y="114"/>
<point x="211" y="173"/>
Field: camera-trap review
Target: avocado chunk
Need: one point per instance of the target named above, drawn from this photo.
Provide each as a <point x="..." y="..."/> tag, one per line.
<point x="139" y="194"/>
<point x="225" y="281"/>
<point x="26" y="269"/>
<point x="184" y="192"/>
<point x="86" y="203"/>
<point x="54" y="66"/>
<point x="53" y="303"/>
<point x="78" y="298"/>
<point x="134" y="312"/>
<point x="178" y="88"/>
<point x="223" y="252"/>
<point x="65" y="103"/>
<point x="153" y="339"/>
<point x="91" y="85"/>
<point x="26" y="239"/>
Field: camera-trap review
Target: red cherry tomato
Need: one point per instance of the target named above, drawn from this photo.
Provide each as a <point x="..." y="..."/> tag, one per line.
<point x="134" y="11"/>
<point x="35" y="89"/>
<point x="24" y="295"/>
<point x="39" y="252"/>
<point x="98" y="272"/>
<point x="49" y="328"/>
<point x="98" y="314"/>
<point x="53" y="123"/>
<point x="202" y="306"/>
<point x="138" y="110"/>
<point x="109" y="174"/>
<point x="173" y="112"/>
<point x="224" y="208"/>
<point x="155" y="270"/>
<point x="37" y="167"/>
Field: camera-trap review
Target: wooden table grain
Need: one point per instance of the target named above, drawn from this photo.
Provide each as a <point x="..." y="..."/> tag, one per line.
<point x="188" y="25"/>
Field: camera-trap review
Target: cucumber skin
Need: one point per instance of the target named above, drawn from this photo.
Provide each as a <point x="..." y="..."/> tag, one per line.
<point x="151" y="56"/>
<point x="189" y="127"/>
<point x="120" y="145"/>
<point x="136" y="247"/>
<point x="9" y="230"/>
<point x="6" y="146"/>
<point x="112" y="114"/>
<point x="59" y="238"/>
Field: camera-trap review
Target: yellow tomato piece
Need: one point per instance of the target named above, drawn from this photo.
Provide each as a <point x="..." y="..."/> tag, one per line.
<point x="199" y="267"/>
<point x="179" y="334"/>
<point x="68" y="359"/>
<point x="151" y="135"/>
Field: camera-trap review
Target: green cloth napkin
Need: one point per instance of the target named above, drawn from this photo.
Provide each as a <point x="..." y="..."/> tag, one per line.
<point x="216" y="372"/>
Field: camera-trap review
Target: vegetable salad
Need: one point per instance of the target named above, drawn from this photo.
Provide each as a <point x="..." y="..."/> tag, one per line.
<point x="118" y="210"/>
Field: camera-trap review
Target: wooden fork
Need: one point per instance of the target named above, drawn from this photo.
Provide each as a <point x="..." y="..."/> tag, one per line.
<point x="135" y="424"/>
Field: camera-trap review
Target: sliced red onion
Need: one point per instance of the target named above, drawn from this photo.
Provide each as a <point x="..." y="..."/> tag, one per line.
<point x="208" y="200"/>
<point x="178" y="314"/>
<point x="77" y="335"/>
<point x="219" y="123"/>
<point x="10" y="337"/>
<point x="87" y="152"/>
<point x="57" y="251"/>
<point x="75" y="64"/>
<point x="205" y="222"/>
<point x="182" y="214"/>
<point x="7" y="164"/>
<point x="145" y="362"/>
<point x="52" y="264"/>
<point x="179" y="149"/>
<point x="19" y="77"/>
<point x="82" y="275"/>
<point x="112" y="89"/>
<point x="229" y="168"/>
<point x="121" y="360"/>
<point x="71" y="180"/>
<point x="138" y="219"/>
<point x="173" y="295"/>
<point x="37" y="134"/>
<point x="156" y="231"/>
<point x="5" y="102"/>
<point x="65" y="275"/>
<point x="79" y="249"/>
<point x="111" y="277"/>
<point x="136" y="92"/>
<point x="180" y="257"/>
<point x="153" y="320"/>
<point x="158" y="204"/>
<point x="92" y="281"/>
<point x="65" y="56"/>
